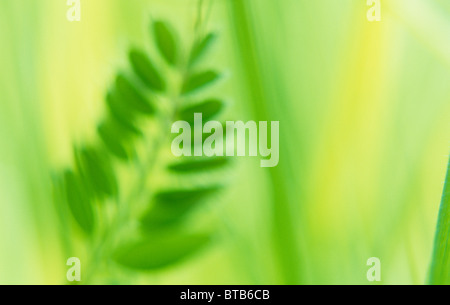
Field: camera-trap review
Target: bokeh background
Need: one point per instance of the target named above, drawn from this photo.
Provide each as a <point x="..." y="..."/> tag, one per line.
<point x="364" y="132"/>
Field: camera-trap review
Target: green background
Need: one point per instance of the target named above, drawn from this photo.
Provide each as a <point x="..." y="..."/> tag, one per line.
<point x="364" y="133"/>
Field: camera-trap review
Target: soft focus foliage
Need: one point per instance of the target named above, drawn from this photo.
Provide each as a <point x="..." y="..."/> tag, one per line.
<point x="364" y="135"/>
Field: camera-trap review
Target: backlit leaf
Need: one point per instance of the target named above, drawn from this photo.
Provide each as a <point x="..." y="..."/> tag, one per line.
<point x="160" y="250"/>
<point x="146" y="71"/>
<point x="199" y="80"/>
<point x="201" y="47"/>
<point x="97" y="172"/>
<point x="131" y="96"/>
<point x="185" y="195"/>
<point x="201" y="164"/>
<point x="165" y="41"/>
<point x="171" y="206"/>
<point x="109" y="137"/>
<point x="208" y="109"/>
<point x="121" y="114"/>
<point x="79" y="203"/>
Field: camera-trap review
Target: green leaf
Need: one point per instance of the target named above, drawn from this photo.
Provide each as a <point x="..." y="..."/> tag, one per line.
<point x="440" y="265"/>
<point x="201" y="47"/>
<point x="165" y="41"/>
<point x="161" y="215"/>
<point x="129" y="95"/>
<point x="121" y="116"/>
<point x="197" y="81"/>
<point x="160" y="250"/>
<point x="201" y="164"/>
<point x="97" y="172"/>
<point x="208" y="108"/>
<point x="79" y="202"/>
<point x="171" y="206"/>
<point x="185" y="195"/>
<point x="144" y="68"/>
<point x="108" y="133"/>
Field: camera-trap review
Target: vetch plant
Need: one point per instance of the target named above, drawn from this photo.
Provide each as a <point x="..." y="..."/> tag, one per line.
<point x="133" y="201"/>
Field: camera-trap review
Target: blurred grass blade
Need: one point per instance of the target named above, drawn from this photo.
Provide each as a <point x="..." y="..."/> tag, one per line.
<point x="201" y="48"/>
<point x="197" y="81"/>
<point x="440" y="265"/>
<point x="208" y="108"/>
<point x="165" y="41"/>
<point x="79" y="203"/>
<point x="160" y="250"/>
<point x="196" y="165"/>
<point x="285" y="233"/>
<point x="143" y="67"/>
